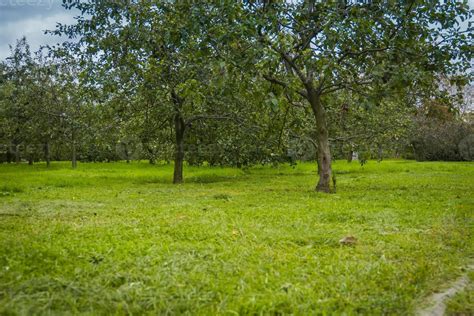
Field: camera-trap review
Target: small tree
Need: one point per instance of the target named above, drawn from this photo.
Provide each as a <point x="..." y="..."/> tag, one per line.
<point x="160" y="53"/>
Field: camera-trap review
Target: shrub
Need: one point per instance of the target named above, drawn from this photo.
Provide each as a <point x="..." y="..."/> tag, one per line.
<point x="434" y="139"/>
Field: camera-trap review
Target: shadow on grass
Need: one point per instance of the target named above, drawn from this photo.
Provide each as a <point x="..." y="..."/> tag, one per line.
<point x="11" y="188"/>
<point x="213" y="178"/>
<point x="9" y="215"/>
<point x="205" y="178"/>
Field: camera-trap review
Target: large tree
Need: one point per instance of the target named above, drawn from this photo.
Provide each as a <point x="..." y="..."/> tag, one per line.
<point x="316" y="48"/>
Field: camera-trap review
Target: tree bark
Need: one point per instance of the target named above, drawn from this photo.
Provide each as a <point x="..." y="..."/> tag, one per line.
<point x="74" y="158"/>
<point x="47" y="155"/>
<point x="151" y="154"/>
<point x="179" y="153"/>
<point x="324" y="151"/>
<point x="9" y="155"/>
<point x="74" y="154"/>
<point x="380" y="153"/>
<point x="127" y="154"/>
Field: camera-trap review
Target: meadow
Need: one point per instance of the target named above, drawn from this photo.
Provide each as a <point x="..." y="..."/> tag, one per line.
<point x="119" y="238"/>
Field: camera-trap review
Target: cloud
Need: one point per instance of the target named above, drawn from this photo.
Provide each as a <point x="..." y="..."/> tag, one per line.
<point x="30" y="18"/>
<point x="14" y="10"/>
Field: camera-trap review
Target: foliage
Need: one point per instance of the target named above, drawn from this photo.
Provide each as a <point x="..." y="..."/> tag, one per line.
<point x="16" y="96"/>
<point x="161" y="57"/>
<point x="437" y="140"/>
<point x="43" y="105"/>
<point x="234" y="83"/>
<point x="375" y="50"/>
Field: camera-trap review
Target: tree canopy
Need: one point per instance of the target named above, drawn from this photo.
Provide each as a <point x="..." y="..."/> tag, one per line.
<point x="236" y="82"/>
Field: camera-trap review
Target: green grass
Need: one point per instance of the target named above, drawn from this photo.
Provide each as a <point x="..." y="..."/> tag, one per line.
<point x="119" y="238"/>
<point x="463" y="302"/>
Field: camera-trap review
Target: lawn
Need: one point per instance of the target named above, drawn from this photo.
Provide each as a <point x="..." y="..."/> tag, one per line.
<point x="119" y="238"/>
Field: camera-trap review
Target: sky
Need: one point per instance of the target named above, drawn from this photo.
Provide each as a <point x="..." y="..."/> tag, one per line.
<point x="31" y="18"/>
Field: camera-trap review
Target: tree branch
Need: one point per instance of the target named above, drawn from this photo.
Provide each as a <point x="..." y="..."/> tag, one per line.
<point x="284" y="84"/>
<point x="211" y="117"/>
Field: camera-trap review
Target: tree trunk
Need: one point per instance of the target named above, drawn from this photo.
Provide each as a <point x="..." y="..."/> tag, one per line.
<point x="324" y="152"/>
<point x="17" y="154"/>
<point x="74" y="154"/>
<point x="74" y="158"/>
<point x="9" y="155"/>
<point x="30" y="159"/>
<point x="349" y="156"/>
<point x="127" y="154"/>
<point x="151" y="154"/>
<point x="179" y="154"/>
<point x="47" y="155"/>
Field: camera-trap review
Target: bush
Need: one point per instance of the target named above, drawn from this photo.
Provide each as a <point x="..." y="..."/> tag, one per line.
<point x="434" y="139"/>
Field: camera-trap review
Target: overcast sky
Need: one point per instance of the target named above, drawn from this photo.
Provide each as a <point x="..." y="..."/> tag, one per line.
<point x="31" y="18"/>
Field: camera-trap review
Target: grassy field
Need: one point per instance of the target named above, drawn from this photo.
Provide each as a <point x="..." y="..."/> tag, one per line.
<point x="118" y="238"/>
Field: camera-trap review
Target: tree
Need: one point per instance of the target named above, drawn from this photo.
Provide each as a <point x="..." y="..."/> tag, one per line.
<point x="438" y="132"/>
<point x="16" y="90"/>
<point x="61" y="108"/>
<point x="368" y="128"/>
<point x="316" y="48"/>
<point x="38" y="103"/>
<point x="158" y="52"/>
<point x="46" y="106"/>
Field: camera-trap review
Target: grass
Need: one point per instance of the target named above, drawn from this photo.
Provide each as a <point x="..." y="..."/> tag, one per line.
<point x="120" y="239"/>
<point x="463" y="302"/>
